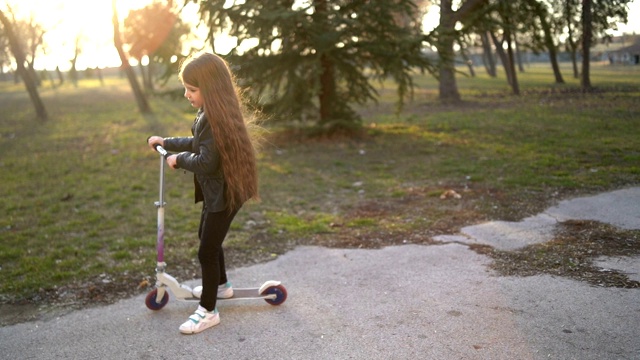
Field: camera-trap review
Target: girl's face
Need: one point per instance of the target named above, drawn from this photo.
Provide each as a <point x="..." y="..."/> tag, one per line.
<point x="192" y="94"/>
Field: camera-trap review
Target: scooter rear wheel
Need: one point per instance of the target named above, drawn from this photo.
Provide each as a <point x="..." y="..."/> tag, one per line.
<point x="151" y="300"/>
<point x="279" y="291"/>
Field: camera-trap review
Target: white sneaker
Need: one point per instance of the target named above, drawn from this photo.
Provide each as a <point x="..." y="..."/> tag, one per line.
<point x="200" y="320"/>
<point x="197" y="291"/>
<point x="225" y="291"/>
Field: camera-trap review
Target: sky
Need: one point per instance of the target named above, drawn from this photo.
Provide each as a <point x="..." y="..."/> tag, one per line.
<point x="89" y="19"/>
<point x="66" y="19"/>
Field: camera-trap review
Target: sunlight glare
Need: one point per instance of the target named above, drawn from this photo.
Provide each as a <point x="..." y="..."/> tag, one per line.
<point x="90" y="23"/>
<point x="66" y="20"/>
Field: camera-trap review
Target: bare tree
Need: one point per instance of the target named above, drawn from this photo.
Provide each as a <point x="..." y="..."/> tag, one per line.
<point x="141" y="99"/>
<point x="33" y="37"/>
<point x="73" y="72"/>
<point x="22" y="70"/>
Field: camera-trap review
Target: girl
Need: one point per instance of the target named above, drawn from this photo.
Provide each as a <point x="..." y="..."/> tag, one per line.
<point x="221" y="155"/>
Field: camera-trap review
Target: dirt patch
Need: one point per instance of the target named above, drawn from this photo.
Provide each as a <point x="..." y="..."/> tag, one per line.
<point x="571" y="254"/>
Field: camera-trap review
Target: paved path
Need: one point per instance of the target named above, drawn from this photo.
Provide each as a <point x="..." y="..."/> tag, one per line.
<point x="403" y="302"/>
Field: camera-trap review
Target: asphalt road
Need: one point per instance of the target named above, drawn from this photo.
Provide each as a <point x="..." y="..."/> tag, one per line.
<point x="402" y="302"/>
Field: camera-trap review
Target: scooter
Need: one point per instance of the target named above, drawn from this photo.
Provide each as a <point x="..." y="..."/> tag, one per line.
<point x="273" y="292"/>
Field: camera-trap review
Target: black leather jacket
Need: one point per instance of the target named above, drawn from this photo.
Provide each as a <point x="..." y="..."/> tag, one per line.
<point x="199" y="155"/>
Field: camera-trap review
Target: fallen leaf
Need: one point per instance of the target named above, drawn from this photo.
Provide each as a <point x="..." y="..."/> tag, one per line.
<point x="450" y="194"/>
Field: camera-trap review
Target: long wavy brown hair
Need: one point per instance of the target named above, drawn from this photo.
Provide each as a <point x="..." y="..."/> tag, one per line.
<point x="236" y="137"/>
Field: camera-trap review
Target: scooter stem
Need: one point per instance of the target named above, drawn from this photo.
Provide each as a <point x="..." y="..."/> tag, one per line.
<point x="160" y="205"/>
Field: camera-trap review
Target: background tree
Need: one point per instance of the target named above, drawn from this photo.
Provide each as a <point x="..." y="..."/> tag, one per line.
<point x="5" y="54"/>
<point x="602" y="17"/>
<point x="29" y="36"/>
<point x="59" y="75"/>
<point x="141" y="99"/>
<point x="32" y="42"/>
<point x="598" y="16"/>
<point x="170" y="52"/>
<point x="513" y="26"/>
<point x="522" y="24"/>
<point x="570" y="21"/>
<point x="73" y="72"/>
<point x="444" y="37"/>
<point x="544" y="34"/>
<point x="587" y="34"/>
<point x="21" y="64"/>
<point x="313" y="60"/>
<point x="487" y="53"/>
<point x="155" y="32"/>
<point x="507" y="13"/>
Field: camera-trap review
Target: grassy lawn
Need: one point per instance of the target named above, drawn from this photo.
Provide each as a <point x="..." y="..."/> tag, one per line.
<point x="77" y="194"/>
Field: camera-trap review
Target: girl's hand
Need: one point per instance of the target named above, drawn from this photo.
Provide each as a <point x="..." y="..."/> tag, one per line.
<point x="172" y="161"/>
<point x="155" y="140"/>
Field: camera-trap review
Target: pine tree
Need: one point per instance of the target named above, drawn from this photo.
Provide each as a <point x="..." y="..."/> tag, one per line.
<point x="314" y="61"/>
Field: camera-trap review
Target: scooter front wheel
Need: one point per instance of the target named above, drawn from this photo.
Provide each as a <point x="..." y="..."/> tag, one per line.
<point x="152" y="302"/>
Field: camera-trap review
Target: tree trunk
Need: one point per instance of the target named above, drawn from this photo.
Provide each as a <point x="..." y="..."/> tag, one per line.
<point x="515" y="87"/>
<point x="34" y="74"/>
<point x="571" y="45"/>
<point x="151" y="70"/>
<point x="448" y="87"/>
<point x="551" y="46"/>
<point x="100" y="77"/>
<point x="60" y="77"/>
<point x="143" y="104"/>
<point x="22" y="71"/>
<point x="487" y="56"/>
<point x="327" y="92"/>
<point x="468" y="61"/>
<point x="574" y="63"/>
<point x="518" y="55"/>
<point x="507" y="59"/>
<point x="446" y="38"/>
<point x="502" y="55"/>
<point x="586" y="44"/>
<point x="143" y="74"/>
<point x="73" y="73"/>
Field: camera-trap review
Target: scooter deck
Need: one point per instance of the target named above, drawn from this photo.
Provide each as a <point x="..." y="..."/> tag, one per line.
<point x="248" y="293"/>
<point x="239" y="294"/>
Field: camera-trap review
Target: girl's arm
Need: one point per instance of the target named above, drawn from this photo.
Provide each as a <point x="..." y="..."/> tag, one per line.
<point x="173" y="144"/>
<point x="208" y="159"/>
<point x="178" y="144"/>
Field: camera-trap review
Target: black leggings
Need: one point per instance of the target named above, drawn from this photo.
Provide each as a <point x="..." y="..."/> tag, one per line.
<point x="213" y="229"/>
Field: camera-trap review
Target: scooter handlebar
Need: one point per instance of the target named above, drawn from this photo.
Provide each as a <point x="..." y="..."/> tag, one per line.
<point x="161" y="150"/>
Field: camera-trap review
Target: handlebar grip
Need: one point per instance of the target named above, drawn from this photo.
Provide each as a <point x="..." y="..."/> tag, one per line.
<point x="161" y="150"/>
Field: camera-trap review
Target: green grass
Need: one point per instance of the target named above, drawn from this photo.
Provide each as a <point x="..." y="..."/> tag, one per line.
<point x="78" y="192"/>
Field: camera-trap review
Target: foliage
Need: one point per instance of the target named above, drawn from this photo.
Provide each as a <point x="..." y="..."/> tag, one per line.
<point x="316" y="60"/>
<point x="156" y="31"/>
